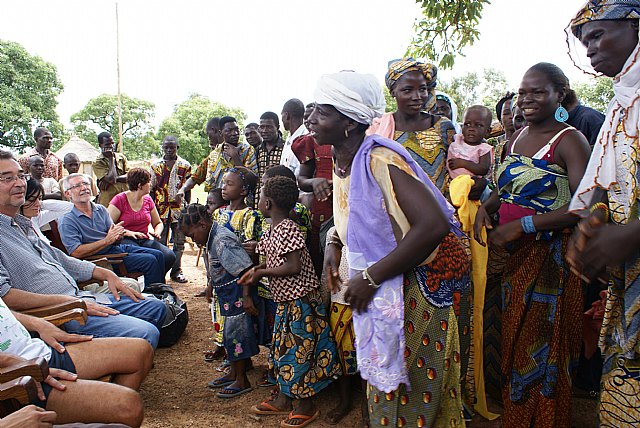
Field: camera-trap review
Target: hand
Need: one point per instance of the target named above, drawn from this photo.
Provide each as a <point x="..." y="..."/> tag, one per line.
<point x="108" y="153"/>
<point x="454" y="163"/>
<point x="250" y="247"/>
<point x="479" y="184"/>
<point x="115" y="233"/>
<point x="134" y="235"/>
<point x="332" y="256"/>
<point x="232" y="152"/>
<point x="155" y="235"/>
<point x="179" y="196"/>
<point x="98" y="310"/>
<point x="29" y="416"/>
<point x="52" y="380"/>
<point x="116" y="285"/>
<point x="249" y="307"/>
<point x="52" y="336"/>
<point x="506" y="233"/>
<point x="103" y="184"/>
<point x="359" y="293"/>
<point x="483" y="219"/>
<point x="333" y="280"/>
<point x="322" y="188"/>
<point x="251" y="276"/>
<point x="208" y="293"/>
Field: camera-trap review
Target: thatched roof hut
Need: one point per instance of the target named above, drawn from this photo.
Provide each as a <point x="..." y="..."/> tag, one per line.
<point x="85" y="151"/>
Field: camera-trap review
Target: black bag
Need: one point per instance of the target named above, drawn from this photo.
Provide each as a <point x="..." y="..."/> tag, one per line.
<point x="177" y="316"/>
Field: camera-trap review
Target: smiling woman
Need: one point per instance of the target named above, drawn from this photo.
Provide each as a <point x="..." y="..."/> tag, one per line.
<point x="541" y="324"/>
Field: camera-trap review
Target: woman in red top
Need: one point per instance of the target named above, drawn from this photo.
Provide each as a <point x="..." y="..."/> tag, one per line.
<point x="136" y="211"/>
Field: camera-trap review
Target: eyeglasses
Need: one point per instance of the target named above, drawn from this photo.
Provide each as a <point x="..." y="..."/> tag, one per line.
<point x="83" y="184"/>
<point x="9" y="179"/>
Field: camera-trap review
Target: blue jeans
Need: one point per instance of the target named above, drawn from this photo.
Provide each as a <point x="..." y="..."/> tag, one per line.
<point x="168" y="256"/>
<point x="149" y="261"/>
<point x="143" y="319"/>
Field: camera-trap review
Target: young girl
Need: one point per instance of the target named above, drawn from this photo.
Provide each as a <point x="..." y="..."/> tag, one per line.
<point x="237" y="185"/>
<point x="227" y="260"/>
<point x="469" y="154"/>
<point x="304" y="353"/>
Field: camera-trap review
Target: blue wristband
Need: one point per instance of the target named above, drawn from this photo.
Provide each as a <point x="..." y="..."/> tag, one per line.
<point x="527" y="224"/>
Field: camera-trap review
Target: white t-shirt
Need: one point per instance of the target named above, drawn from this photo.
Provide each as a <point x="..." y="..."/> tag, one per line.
<point x="50" y="185"/>
<point x="15" y="339"/>
<point x="288" y="158"/>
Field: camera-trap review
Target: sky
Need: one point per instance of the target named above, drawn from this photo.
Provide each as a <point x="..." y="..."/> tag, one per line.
<point x="257" y="54"/>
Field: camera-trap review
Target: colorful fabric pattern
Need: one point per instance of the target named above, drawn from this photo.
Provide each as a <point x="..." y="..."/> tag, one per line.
<point x="341" y="321"/>
<point x="52" y="164"/>
<point x="275" y="244"/>
<point x="266" y="159"/>
<point x="216" y="165"/>
<point x="300" y="216"/>
<point x="305" y="358"/>
<point x="533" y="183"/>
<point x="619" y="395"/>
<point x="245" y="223"/>
<point x="165" y="183"/>
<point x="429" y="149"/>
<point x="596" y="10"/>
<point x="400" y="67"/>
<point x="541" y="334"/>
<point x="433" y="362"/>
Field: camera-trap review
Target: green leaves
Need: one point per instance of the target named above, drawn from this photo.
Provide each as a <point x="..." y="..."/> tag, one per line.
<point x="101" y="114"/>
<point x="595" y="93"/>
<point x="188" y="122"/>
<point x="471" y="88"/>
<point x="28" y="90"/>
<point x="445" y="29"/>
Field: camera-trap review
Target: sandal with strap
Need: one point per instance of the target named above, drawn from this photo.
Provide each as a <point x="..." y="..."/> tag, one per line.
<point x="268" y="409"/>
<point x="306" y="420"/>
<point x="179" y="278"/>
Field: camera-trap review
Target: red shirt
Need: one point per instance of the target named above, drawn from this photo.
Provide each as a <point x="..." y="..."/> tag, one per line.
<point x="135" y="221"/>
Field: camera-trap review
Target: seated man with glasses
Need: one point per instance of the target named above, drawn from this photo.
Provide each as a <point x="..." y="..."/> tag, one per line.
<point x="88" y="230"/>
<point x="38" y="275"/>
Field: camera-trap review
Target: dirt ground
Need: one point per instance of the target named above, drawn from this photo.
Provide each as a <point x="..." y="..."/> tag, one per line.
<point x="175" y="393"/>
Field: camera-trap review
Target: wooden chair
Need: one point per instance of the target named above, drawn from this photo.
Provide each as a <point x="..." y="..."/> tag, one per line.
<point x="113" y="262"/>
<point x="58" y="314"/>
<point x="18" y="384"/>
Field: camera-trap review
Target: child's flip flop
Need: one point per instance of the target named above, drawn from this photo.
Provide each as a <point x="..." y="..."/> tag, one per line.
<point x="221" y="382"/>
<point x="268" y="409"/>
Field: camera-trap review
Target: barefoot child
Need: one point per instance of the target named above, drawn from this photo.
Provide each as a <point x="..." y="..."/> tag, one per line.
<point x="227" y="260"/>
<point x="469" y="154"/>
<point x="304" y="352"/>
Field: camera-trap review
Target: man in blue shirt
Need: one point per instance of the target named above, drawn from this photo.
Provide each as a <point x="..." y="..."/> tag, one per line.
<point x="88" y="230"/>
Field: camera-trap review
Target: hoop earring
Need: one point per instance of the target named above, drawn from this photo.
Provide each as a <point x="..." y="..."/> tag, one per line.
<point x="562" y="115"/>
<point x="346" y="134"/>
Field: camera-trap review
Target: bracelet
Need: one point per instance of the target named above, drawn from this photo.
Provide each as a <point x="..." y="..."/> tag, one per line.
<point x="601" y="206"/>
<point x="367" y="277"/>
<point x="527" y="224"/>
<point x="332" y="242"/>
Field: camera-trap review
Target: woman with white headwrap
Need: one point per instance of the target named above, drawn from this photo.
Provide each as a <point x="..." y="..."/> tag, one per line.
<point x="407" y="267"/>
<point x="610" y="252"/>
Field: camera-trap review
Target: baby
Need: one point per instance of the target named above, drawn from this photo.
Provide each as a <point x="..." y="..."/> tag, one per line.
<point x="469" y="154"/>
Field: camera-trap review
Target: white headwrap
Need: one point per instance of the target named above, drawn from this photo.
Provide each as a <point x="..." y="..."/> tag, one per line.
<point x="357" y="96"/>
<point x="612" y="165"/>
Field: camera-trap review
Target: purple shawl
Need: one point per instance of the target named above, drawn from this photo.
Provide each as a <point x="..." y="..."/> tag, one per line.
<point x="380" y="342"/>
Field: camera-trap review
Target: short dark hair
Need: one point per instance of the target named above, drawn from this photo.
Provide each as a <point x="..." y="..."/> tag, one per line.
<point x="487" y="113"/>
<point x="279" y="171"/>
<point x="39" y="132"/>
<point x="69" y="157"/>
<point x="226" y="119"/>
<point x="170" y="139"/>
<point x="294" y="107"/>
<point x="252" y="125"/>
<point x="6" y="155"/>
<point x="102" y="136"/>
<point x="282" y="191"/>
<point x="271" y="115"/>
<point x="214" y="121"/>
<point x="137" y="177"/>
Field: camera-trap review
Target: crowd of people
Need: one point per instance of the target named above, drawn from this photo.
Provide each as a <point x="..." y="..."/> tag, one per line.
<point x="430" y="265"/>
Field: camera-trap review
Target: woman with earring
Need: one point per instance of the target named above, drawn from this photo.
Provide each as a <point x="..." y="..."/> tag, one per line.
<point x="542" y="300"/>
<point x="425" y="135"/>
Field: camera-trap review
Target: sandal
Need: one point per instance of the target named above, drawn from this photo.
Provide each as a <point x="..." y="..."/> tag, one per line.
<point x="266" y="381"/>
<point x="268" y="409"/>
<point x="224" y="367"/>
<point x="229" y="392"/>
<point x="306" y="420"/>
<point x="179" y="277"/>
<point x="220" y="382"/>
<point x="211" y="355"/>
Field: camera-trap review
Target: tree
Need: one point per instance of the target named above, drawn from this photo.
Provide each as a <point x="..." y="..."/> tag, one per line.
<point x="101" y="114"/>
<point x="392" y="105"/>
<point x="445" y="29"/>
<point x="470" y="89"/>
<point x="595" y="94"/>
<point x="188" y="122"/>
<point x="28" y="90"/>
